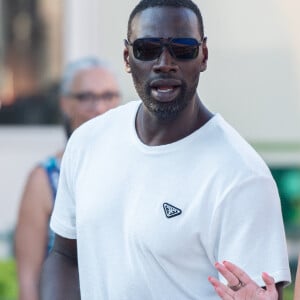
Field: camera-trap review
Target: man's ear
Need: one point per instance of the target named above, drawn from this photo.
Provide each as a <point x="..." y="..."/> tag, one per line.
<point x="126" y="60"/>
<point x="205" y="54"/>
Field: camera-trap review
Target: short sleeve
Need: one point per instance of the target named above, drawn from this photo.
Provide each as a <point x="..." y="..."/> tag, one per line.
<point x="248" y="230"/>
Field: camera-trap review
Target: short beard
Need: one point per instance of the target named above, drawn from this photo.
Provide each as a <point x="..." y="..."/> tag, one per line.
<point x="164" y="111"/>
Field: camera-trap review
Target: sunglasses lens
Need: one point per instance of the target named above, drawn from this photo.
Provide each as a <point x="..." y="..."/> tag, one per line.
<point x="185" y="48"/>
<point x="151" y="48"/>
<point x="147" y="49"/>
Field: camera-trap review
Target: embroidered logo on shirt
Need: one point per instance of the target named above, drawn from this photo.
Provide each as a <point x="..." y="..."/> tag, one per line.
<point x="171" y="211"/>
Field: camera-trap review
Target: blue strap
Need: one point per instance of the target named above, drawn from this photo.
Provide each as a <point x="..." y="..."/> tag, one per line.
<point x="52" y="169"/>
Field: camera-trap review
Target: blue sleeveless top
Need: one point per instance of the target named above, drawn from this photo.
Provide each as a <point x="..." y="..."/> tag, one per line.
<point x="52" y="168"/>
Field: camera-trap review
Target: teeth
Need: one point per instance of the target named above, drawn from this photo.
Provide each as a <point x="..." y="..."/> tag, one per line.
<point x="164" y="90"/>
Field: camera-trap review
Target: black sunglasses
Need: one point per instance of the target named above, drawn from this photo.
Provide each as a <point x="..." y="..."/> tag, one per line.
<point x="151" y="48"/>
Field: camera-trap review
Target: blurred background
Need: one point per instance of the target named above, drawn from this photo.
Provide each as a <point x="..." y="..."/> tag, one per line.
<point x="253" y="80"/>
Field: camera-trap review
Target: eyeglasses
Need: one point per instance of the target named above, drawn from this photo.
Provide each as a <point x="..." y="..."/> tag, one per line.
<point x="88" y="100"/>
<point x="147" y="49"/>
<point x="92" y="97"/>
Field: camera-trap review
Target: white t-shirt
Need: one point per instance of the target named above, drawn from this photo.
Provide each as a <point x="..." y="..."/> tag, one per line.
<point x="151" y="221"/>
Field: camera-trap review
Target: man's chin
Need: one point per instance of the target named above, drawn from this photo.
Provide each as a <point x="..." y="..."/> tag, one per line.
<point x="166" y="112"/>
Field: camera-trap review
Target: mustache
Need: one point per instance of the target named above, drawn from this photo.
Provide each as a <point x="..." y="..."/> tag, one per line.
<point x="163" y="76"/>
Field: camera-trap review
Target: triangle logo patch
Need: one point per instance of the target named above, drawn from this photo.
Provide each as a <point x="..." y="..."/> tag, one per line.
<point x="171" y="211"/>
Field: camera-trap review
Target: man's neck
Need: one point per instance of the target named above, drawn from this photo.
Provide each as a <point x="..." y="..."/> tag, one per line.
<point x="155" y="132"/>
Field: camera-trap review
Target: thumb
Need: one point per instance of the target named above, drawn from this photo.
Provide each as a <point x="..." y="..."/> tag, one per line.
<point x="270" y="282"/>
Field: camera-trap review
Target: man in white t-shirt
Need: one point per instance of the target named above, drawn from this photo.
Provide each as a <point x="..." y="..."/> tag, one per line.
<point x="153" y="193"/>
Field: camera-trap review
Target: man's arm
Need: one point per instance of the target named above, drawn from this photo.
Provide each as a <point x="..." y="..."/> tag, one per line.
<point x="279" y="288"/>
<point x="60" y="278"/>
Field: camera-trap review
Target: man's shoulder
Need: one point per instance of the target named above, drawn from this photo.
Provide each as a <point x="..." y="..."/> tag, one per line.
<point x="237" y="151"/>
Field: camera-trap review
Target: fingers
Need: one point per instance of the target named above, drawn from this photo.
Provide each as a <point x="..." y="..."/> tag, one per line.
<point x="241" y="285"/>
<point x="270" y="283"/>
<point x="237" y="272"/>
<point x="222" y="290"/>
<point x="227" y="274"/>
<point x="232" y="279"/>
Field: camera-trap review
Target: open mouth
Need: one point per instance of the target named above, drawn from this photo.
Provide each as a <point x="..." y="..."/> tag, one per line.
<point x="165" y="90"/>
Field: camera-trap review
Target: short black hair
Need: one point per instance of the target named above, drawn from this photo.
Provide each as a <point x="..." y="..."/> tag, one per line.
<point x="144" y="4"/>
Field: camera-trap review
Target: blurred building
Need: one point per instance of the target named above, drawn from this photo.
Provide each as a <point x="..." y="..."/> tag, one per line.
<point x="253" y="75"/>
<point x="30" y="47"/>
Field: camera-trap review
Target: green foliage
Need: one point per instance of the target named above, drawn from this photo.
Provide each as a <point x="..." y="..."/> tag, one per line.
<point x="8" y="280"/>
<point x="288" y="179"/>
<point x="288" y="292"/>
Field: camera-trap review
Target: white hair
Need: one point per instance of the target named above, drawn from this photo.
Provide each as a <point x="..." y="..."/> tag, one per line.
<point x="76" y="66"/>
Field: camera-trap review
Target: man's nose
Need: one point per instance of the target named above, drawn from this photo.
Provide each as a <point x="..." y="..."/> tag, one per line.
<point x="165" y="62"/>
<point x="100" y="106"/>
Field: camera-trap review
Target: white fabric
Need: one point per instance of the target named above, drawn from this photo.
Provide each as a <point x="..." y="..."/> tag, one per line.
<point x="110" y="198"/>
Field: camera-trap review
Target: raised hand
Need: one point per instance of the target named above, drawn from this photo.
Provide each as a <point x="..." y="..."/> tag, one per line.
<point x="240" y="286"/>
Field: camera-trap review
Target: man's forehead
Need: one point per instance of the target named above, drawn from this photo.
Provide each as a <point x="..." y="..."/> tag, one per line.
<point x="94" y="79"/>
<point x="164" y="19"/>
